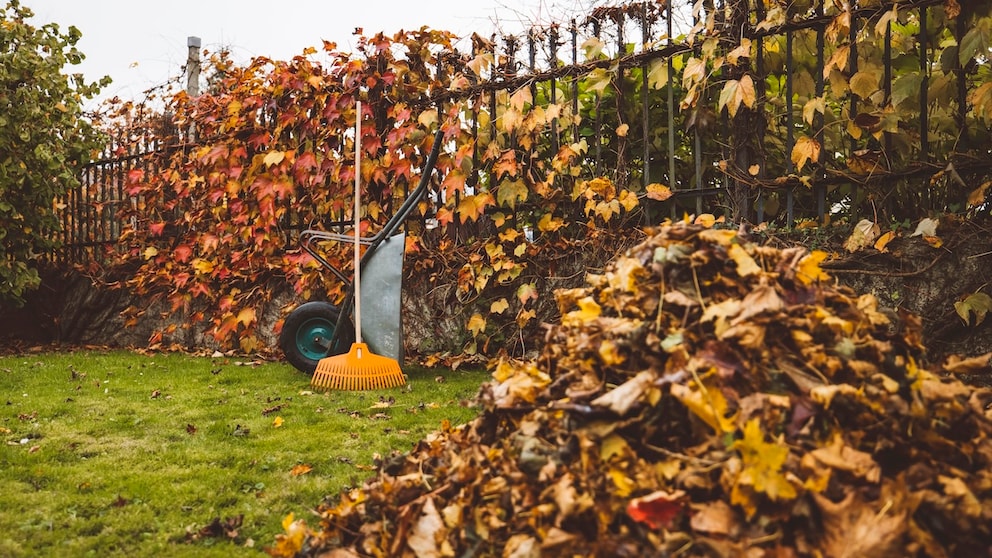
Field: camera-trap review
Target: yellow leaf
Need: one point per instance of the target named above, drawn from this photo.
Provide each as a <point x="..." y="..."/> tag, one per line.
<point x="427" y="118"/>
<point x="742" y="50"/>
<point x="499" y="306"/>
<point x="612" y="445"/>
<point x="977" y="304"/>
<point x="610" y="354"/>
<point x="549" y="223"/>
<point x="884" y="240"/>
<point x="246" y="316"/>
<point x="525" y="316"/>
<point x="707" y="220"/>
<point x="658" y="73"/>
<point x="150" y="252"/>
<point x="722" y="237"/>
<point x="694" y="72"/>
<point x="745" y="263"/>
<point x="628" y="200"/>
<point x="658" y="192"/>
<point x="273" y="158"/>
<point x="476" y="324"/>
<point x="806" y="149"/>
<point x="624" y="484"/>
<point x="202" y="266"/>
<point x="708" y="404"/>
<point x="472" y="207"/>
<point x="622" y="130"/>
<point x="277" y="422"/>
<point x="588" y="310"/>
<point x="809" y="268"/>
<point x="762" y="463"/>
<point x="813" y="106"/>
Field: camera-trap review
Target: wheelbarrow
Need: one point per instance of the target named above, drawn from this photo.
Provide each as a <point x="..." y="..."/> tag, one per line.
<point x="319" y="329"/>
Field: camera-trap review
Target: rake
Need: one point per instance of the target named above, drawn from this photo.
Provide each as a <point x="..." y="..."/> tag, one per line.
<point x="359" y="368"/>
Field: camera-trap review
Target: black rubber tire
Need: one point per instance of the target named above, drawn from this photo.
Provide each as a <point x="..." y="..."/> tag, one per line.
<point x="306" y="332"/>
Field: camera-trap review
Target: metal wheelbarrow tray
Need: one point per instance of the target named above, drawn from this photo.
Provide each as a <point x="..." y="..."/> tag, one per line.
<point x="318" y="329"/>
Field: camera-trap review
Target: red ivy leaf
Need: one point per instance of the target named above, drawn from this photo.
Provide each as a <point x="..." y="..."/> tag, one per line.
<point x="657" y="509"/>
<point x="182" y="253"/>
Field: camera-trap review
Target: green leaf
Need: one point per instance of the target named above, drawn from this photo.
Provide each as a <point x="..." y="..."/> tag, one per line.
<point x="974" y="41"/>
<point x="906" y="86"/>
<point x="865" y="83"/>
<point x="510" y="192"/>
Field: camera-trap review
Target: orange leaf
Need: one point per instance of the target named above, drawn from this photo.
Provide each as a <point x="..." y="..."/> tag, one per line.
<point x="658" y="192"/>
<point x="806" y="149"/>
<point x="526" y="292"/>
<point x="300" y="469"/>
<point x="472" y="207"/>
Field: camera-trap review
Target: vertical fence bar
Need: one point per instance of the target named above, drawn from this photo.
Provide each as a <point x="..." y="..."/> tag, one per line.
<point x="532" y="58"/>
<point x="598" y="120"/>
<point x="622" y="170"/>
<point x="960" y="28"/>
<point x="759" y="84"/>
<point x="553" y="63"/>
<point x="852" y="63"/>
<point x="790" y="138"/>
<point x="645" y="104"/>
<point x="697" y="149"/>
<point x="672" y="181"/>
<point x="819" y="189"/>
<point x="575" y="82"/>
<point x="924" y="116"/>
<point x="887" y="79"/>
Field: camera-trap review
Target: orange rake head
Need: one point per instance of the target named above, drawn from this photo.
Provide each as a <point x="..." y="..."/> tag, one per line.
<point x="358" y="369"/>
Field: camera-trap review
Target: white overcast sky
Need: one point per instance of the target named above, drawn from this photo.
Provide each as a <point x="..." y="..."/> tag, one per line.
<point x="142" y="43"/>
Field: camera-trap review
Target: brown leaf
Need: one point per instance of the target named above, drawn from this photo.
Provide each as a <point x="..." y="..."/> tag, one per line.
<point x="854" y="529"/>
<point x="841" y="456"/>
<point x="714" y="518"/>
<point x="625" y="396"/>
<point x="427" y="531"/>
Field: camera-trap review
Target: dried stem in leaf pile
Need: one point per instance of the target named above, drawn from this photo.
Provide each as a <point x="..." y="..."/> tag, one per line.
<point x="705" y="396"/>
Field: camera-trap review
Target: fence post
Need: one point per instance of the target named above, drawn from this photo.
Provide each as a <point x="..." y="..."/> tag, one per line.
<point x="193" y="66"/>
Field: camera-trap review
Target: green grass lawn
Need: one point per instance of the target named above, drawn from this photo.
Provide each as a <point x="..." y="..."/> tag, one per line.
<point x="121" y="454"/>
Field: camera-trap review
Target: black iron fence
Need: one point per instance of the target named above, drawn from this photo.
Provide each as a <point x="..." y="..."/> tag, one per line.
<point x="844" y="110"/>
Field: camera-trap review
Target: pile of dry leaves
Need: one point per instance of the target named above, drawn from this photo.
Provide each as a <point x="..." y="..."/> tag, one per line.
<point x="705" y="396"/>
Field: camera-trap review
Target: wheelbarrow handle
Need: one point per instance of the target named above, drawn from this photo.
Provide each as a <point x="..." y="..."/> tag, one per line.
<point x="309" y="236"/>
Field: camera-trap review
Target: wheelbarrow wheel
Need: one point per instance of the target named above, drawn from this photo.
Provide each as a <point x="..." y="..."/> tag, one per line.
<point x="308" y="332"/>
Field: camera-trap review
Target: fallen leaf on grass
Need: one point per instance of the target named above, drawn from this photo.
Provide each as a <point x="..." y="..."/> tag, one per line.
<point x="300" y="469"/>
<point x="277" y="422"/>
